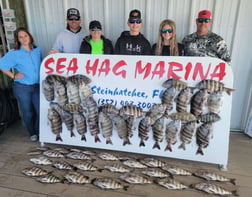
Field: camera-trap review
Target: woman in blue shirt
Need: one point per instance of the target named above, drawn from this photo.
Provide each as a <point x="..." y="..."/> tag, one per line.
<point x="26" y="58"/>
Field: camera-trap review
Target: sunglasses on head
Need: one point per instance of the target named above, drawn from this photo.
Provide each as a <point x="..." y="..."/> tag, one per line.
<point x="96" y="29"/>
<point x="206" y="20"/>
<point x="71" y="18"/>
<point x="137" y="21"/>
<point x="163" y="31"/>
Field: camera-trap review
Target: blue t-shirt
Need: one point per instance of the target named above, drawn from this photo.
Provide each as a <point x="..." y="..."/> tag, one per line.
<point x="26" y="62"/>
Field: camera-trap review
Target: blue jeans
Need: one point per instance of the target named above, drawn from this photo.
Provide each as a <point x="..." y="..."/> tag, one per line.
<point x="28" y="99"/>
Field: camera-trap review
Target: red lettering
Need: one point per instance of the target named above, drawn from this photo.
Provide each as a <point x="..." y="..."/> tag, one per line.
<point x="159" y="69"/>
<point x="60" y="66"/>
<point x="219" y="71"/>
<point x="188" y="70"/>
<point x="73" y="66"/>
<point x="199" y="70"/>
<point x="47" y="62"/>
<point x="119" y="65"/>
<point x="140" y="70"/>
<point x="105" y="67"/>
<point x="174" y="66"/>
<point x="92" y="68"/>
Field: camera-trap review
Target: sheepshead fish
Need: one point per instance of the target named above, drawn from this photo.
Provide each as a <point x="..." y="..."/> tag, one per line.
<point x="175" y="170"/>
<point x="156" y="112"/>
<point x="211" y="176"/>
<point x="60" y="93"/>
<point x="108" y="183"/>
<point x="131" y="125"/>
<point x="84" y="91"/>
<point x="131" y="110"/>
<point x="187" y="132"/>
<point x="203" y="135"/>
<point x="170" y="183"/>
<point x="198" y="102"/>
<point x="80" y="124"/>
<point x="214" y="189"/>
<point x="86" y="166"/>
<point x="72" y="107"/>
<point x="72" y="92"/>
<point x="132" y="163"/>
<point x="68" y="120"/>
<point x="52" y="78"/>
<point x="168" y="97"/>
<point x="110" y="110"/>
<point x="174" y="82"/>
<point x="209" y="117"/>
<point x="183" y="99"/>
<point x="62" y="165"/>
<point x="78" y="155"/>
<point x="53" y="154"/>
<point x="152" y="163"/>
<point x="213" y="86"/>
<point x="115" y="167"/>
<point x="49" y="178"/>
<point x="76" y="177"/>
<point x="41" y="160"/>
<point x="155" y="172"/>
<point x="215" y="102"/>
<point x="106" y="126"/>
<point x="144" y="129"/>
<point x="171" y="133"/>
<point x="107" y="156"/>
<point x="133" y="178"/>
<point x="158" y="129"/>
<point x="48" y="90"/>
<point x="34" y="171"/>
<point x="79" y="78"/>
<point x="183" y="116"/>
<point x="121" y="128"/>
<point x="55" y="123"/>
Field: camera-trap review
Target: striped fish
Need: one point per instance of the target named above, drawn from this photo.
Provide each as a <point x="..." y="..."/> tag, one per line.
<point x="144" y="128"/>
<point x="155" y="172"/>
<point x="209" y="117"/>
<point x="80" y="124"/>
<point x="168" y="97"/>
<point x="158" y="129"/>
<point x="53" y="153"/>
<point x="183" y="99"/>
<point x="106" y="126"/>
<point x="79" y="78"/>
<point x="76" y="177"/>
<point x="78" y="155"/>
<point x="198" y="102"/>
<point x="121" y="128"/>
<point x="151" y="162"/>
<point x="171" y="133"/>
<point x="203" y="135"/>
<point x="108" y="183"/>
<point x="215" y="102"/>
<point x="188" y="130"/>
<point x="174" y="82"/>
<point x="170" y="183"/>
<point x="48" y="90"/>
<point x="107" y="156"/>
<point x="55" y="123"/>
<point x="131" y="110"/>
<point x="34" y="171"/>
<point x="175" y="170"/>
<point x="115" y="167"/>
<point x="72" y="92"/>
<point x="49" y="178"/>
<point x="133" y="164"/>
<point x="86" y="166"/>
<point x="62" y="165"/>
<point x="41" y="160"/>
<point x="133" y="178"/>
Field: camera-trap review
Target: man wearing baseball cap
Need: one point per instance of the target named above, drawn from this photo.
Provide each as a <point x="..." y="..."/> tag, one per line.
<point x="204" y="42"/>
<point x="132" y="42"/>
<point x="69" y="40"/>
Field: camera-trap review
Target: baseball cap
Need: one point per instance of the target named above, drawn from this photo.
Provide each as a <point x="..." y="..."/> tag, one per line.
<point x="95" y="24"/>
<point x="73" y="12"/>
<point x="135" y="14"/>
<point x="204" y="14"/>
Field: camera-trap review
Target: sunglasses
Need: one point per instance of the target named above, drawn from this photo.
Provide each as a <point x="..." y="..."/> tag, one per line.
<point x="96" y="29"/>
<point x="71" y="18"/>
<point x="164" y="31"/>
<point x="206" y="20"/>
<point x="138" y="21"/>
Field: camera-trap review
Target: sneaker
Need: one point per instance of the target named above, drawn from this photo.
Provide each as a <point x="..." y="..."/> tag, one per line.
<point x="34" y="138"/>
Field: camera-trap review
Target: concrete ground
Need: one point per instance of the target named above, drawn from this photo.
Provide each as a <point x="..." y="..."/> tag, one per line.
<point x="15" y="144"/>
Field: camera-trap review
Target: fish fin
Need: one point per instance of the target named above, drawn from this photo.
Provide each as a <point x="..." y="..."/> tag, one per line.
<point x="182" y="146"/>
<point x="199" y="151"/>
<point x="58" y="137"/>
<point x="75" y="168"/>
<point x="141" y="143"/>
<point x="97" y="139"/>
<point x="100" y="170"/>
<point x="126" y="141"/>
<point x="108" y="141"/>
<point x="125" y="187"/>
<point x="72" y="134"/>
<point x="156" y="145"/>
<point x="233" y="181"/>
<point x="235" y="193"/>
<point x="229" y="90"/>
<point x="168" y="147"/>
<point x="83" y="138"/>
<point x="92" y="160"/>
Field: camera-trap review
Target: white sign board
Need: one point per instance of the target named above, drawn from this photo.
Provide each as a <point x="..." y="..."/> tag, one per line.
<point x="137" y="80"/>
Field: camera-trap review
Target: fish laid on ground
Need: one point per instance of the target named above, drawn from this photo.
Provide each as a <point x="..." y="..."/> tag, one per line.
<point x="121" y="128"/>
<point x="61" y="150"/>
<point x="211" y="176"/>
<point x="86" y="166"/>
<point x="106" y="126"/>
<point x="214" y="189"/>
<point x="49" y="178"/>
<point x="62" y="165"/>
<point x="175" y="170"/>
<point x="203" y="135"/>
<point x="34" y="171"/>
<point x="215" y="102"/>
<point x="133" y="178"/>
<point x="183" y="99"/>
<point x="53" y="153"/>
<point x="209" y="117"/>
<point x="158" y="129"/>
<point x="78" y="155"/>
<point x="48" y="90"/>
<point x="144" y="129"/>
<point x="188" y="130"/>
<point x="76" y="177"/>
<point x="213" y="86"/>
<point x="171" y="133"/>
<point x="155" y="172"/>
<point x="152" y="162"/>
<point x="108" y="183"/>
<point x="55" y="123"/>
<point x="174" y="82"/>
<point x="41" y="160"/>
<point x="198" y="102"/>
<point x="116" y="168"/>
<point x="107" y="156"/>
<point x="80" y="124"/>
<point x="133" y="164"/>
<point x="170" y="183"/>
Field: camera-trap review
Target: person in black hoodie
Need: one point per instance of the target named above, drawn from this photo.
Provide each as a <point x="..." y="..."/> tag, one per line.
<point x="96" y="43"/>
<point x="133" y="42"/>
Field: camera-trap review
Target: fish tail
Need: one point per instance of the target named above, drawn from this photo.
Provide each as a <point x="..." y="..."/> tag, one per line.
<point x="168" y="147"/>
<point x="58" y="137"/>
<point x="125" y="187"/>
<point x="108" y="141"/>
<point x="72" y="134"/>
<point x="235" y="193"/>
<point x="199" y="151"/>
<point x="126" y="141"/>
<point x="229" y="90"/>
<point x="141" y="143"/>
<point x="182" y="146"/>
<point x="233" y="181"/>
<point x="100" y="170"/>
<point x="156" y="145"/>
<point x="97" y="139"/>
<point x="83" y="138"/>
